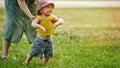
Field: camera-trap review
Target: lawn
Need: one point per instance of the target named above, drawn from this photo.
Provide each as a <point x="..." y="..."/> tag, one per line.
<point x="88" y="38"/>
<point x="84" y="0"/>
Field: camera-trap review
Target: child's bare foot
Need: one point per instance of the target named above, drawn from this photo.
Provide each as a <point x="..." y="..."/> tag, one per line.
<point x="45" y="60"/>
<point x="26" y="62"/>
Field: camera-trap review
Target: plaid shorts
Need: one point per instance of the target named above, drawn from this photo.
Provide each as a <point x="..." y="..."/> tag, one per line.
<point x="42" y="48"/>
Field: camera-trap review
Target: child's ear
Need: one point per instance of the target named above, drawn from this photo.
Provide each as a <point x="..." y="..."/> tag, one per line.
<point x="38" y="13"/>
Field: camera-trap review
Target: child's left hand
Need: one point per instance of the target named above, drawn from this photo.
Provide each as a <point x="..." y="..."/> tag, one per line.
<point x="55" y="25"/>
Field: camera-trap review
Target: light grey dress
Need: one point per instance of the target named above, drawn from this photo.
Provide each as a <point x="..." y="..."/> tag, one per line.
<point x="17" y="22"/>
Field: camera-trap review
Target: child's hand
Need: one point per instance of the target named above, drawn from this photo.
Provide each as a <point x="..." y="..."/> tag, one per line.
<point x="55" y="25"/>
<point x="43" y="29"/>
<point x="57" y="21"/>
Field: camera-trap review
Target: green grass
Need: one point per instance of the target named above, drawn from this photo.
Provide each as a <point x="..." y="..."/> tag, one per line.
<point x="89" y="38"/>
<point x="2" y="17"/>
<point x="84" y="0"/>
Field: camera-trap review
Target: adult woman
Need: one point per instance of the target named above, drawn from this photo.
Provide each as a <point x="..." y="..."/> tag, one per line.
<point x="19" y="14"/>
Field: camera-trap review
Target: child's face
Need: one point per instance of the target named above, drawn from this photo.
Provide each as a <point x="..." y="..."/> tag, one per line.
<point x="47" y="10"/>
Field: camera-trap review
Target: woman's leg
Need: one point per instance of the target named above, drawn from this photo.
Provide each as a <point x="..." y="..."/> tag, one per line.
<point x="6" y="46"/>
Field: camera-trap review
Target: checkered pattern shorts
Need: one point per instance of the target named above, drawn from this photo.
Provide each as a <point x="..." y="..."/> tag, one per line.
<point x="42" y="48"/>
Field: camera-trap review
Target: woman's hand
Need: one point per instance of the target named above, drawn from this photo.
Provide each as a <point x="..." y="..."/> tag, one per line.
<point x="32" y="17"/>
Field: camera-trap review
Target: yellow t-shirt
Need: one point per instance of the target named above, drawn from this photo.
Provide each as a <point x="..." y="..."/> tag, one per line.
<point x="47" y="24"/>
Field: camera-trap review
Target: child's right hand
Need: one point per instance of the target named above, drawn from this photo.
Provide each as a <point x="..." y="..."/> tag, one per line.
<point x="43" y="29"/>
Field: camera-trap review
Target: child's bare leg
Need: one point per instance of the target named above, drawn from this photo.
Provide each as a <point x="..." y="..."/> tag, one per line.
<point x="45" y="60"/>
<point x="28" y="59"/>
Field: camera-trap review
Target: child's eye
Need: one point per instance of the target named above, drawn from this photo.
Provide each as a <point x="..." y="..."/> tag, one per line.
<point x="48" y="7"/>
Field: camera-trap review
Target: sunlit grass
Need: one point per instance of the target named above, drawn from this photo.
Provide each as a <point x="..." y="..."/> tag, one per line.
<point x="2" y="17"/>
<point x="82" y="0"/>
<point x="88" y="38"/>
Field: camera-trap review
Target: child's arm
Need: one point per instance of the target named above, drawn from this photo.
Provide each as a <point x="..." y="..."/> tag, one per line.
<point x="57" y="21"/>
<point x="36" y="25"/>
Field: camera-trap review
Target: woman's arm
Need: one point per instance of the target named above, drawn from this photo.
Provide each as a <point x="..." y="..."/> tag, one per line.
<point x="25" y="9"/>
